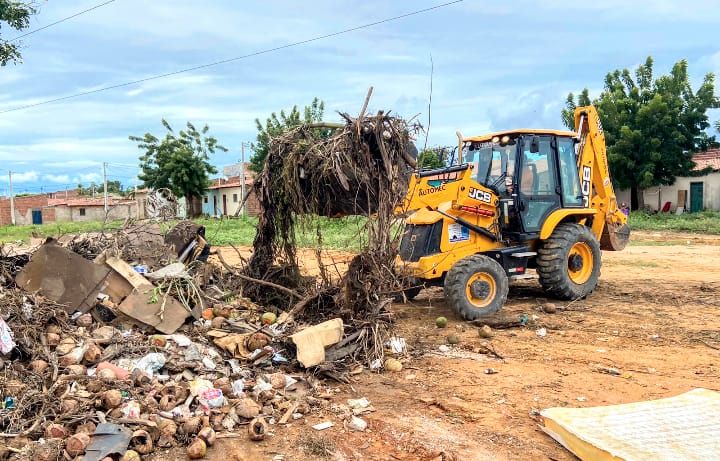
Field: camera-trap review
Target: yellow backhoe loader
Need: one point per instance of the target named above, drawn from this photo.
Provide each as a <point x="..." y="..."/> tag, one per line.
<point x="516" y="201"/>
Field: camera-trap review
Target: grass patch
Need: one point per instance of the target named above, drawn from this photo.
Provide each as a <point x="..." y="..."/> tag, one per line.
<point x="704" y="222"/>
<point x="24" y="233"/>
<point x="347" y="233"/>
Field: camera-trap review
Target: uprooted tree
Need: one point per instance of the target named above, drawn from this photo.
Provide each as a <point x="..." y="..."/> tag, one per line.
<point x="17" y="16"/>
<point x="361" y="168"/>
<point x="179" y="162"/>
<point x="277" y="125"/>
<point x="652" y="125"/>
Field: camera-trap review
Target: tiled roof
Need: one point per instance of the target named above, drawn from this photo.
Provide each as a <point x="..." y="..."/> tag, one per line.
<point x="87" y="202"/>
<point x="710" y="158"/>
<point x="232" y="181"/>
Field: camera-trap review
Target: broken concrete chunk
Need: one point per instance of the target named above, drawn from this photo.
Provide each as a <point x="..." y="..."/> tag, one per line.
<point x="311" y="341"/>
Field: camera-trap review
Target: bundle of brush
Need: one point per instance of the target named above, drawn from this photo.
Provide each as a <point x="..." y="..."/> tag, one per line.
<point x="361" y="167"/>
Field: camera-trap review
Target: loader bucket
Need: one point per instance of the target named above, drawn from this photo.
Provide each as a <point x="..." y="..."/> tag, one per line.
<point x="615" y="237"/>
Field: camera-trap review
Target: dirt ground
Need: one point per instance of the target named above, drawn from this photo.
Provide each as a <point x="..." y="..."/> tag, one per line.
<point x="655" y="317"/>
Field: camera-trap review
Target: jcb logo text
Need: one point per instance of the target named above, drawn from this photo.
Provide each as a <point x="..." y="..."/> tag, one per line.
<point x="586" y="174"/>
<point x="478" y="194"/>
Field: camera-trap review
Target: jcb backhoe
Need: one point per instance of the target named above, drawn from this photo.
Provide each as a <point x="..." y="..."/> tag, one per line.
<point x="516" y="200"/>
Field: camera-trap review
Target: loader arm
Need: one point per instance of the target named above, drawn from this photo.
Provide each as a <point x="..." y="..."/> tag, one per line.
<point x="609" y="224"/>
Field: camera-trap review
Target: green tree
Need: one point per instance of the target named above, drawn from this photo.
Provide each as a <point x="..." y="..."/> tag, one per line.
<point x="181" y="163"/>
<point x="652" y="125"/>
<point x="275" y="126"/>
<point x="431" y="158"/>
<point x="113" y="187"/>
<point x="17" y="16"/>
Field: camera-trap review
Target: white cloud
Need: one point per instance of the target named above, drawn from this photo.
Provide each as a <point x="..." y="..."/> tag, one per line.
<point x="56" y="178"/>
<point x="26" y="176"/>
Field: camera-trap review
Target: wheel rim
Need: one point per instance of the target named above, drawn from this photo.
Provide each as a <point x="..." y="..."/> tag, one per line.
<point x="481" y="289"/>
<point x="580" y="263"/>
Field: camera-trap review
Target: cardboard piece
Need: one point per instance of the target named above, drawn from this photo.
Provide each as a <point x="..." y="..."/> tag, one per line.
<point x="166" y="315"/>
<point x="312" y="341"/>
<point x="64" y="277"/>
<point x="685" y="427"/>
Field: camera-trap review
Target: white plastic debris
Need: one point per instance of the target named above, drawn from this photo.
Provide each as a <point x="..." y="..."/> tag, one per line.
<point x="6" y="338"/>
<point x="151" y="363"/>
<point x="322" y="426"/>
<point x="444" y="348"/>
<point x="398" y="345"/>
<point x="172" y="271"/>
<point x="208" y="363"/>
<point x="541" y="332"/>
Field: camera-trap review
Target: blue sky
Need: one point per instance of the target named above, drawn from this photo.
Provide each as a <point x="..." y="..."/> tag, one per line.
<point x="497" y="65"/>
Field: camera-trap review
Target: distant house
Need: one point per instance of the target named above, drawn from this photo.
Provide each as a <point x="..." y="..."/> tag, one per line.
<point x="694" y="193"/>
<point x="29" y="209"/>
<point x="63" y="207"/>
<point x="92" y="209"/>
<point x="224" y="197"/>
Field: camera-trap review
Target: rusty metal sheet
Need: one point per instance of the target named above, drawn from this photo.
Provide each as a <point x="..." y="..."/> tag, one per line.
<point x="108" y="439"/>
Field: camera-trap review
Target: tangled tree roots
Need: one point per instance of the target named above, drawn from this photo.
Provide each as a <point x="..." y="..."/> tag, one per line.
<point x="359" y="168"/>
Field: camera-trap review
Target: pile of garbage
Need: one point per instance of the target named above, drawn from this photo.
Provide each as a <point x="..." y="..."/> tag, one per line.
<point x="105" y="356"/>
<point x="116" y="344"/>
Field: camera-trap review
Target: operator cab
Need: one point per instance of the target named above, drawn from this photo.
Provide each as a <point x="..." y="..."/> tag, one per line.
<point x="534" y="172"/>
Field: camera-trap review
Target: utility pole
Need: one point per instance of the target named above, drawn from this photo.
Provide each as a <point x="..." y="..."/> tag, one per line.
<point x="105" y="197"/>
<point x="242" y="179"/>
<point x="12" y="200"/>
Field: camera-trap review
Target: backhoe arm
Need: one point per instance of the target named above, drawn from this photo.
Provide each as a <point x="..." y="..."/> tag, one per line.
<point x="610" y="223"/>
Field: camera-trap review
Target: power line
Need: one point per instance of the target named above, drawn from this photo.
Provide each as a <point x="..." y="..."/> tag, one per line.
<point x="237" y="58"/>
<point x="59" y="21"/>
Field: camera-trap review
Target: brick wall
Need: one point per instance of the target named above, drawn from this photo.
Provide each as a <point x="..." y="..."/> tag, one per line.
<point x="23" y="209"/>
<point x="253" y="204"/>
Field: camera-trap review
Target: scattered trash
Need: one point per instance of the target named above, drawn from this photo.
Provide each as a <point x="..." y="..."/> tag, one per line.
<point x="151" y="363"/>
<point x="397" y="345"/>
<point x="311" y="341"/>
<point x="490" y="371"/>
<point x="6" y="338"/>
<point x="541" y="332"/>
<point x="322" y="426"/>
<point x="581" y="399"/>
<point x="444" y="348"/>
<point x="107" y="440"/>
<point x="609" y="370"/>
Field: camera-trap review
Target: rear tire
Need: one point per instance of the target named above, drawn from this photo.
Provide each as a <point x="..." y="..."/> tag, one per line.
<point x="476" y="286"/>
<point x="568" y="263"/>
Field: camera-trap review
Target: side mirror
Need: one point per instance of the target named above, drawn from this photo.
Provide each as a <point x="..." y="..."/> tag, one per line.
<point x="535" y="145"/>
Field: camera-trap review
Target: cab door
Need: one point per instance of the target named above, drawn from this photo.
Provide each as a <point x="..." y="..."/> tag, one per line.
<point x="537" y="182"/>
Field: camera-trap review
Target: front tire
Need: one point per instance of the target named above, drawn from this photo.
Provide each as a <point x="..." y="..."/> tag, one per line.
<point x="476" y="286"/>
<point x="568" y="263"/>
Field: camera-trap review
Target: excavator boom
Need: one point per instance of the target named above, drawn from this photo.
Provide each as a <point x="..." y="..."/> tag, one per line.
<point x="611" y="228"/>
